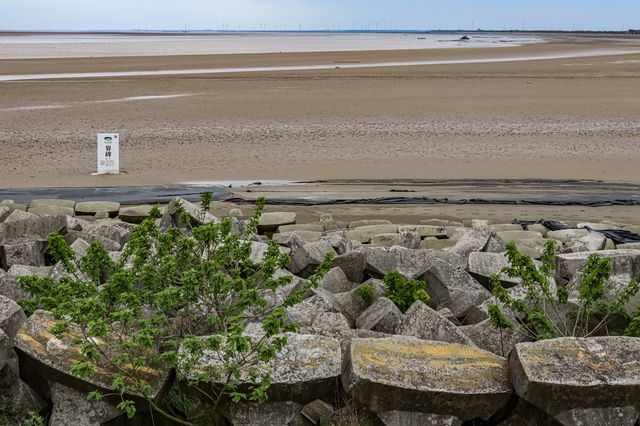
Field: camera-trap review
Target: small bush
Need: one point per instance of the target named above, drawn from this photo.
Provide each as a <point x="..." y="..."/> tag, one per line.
<point x="546" y="313"/>
<point x="171" y="297"/>
<point x="365" y="292"/>
<point x="404" y="292"/>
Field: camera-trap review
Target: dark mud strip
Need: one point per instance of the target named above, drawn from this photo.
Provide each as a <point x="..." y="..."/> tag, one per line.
<point x="427" y="200"/>
<point x="493" y="191"/>
<point x="473" y="192"/>
<point x="123" y="195"/>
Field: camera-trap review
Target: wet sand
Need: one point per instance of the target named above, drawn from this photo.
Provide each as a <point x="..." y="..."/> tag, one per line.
<point x="570" y="118"/>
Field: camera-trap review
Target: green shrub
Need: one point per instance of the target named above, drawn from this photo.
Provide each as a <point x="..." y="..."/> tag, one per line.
<point x="365" y="292"/>
<point x="404" y="292"/>
<point x="165" y="292"/>
<point x="545" y="313"/>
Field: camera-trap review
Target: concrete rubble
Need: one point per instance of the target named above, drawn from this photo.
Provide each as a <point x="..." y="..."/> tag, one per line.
<point x="440" y="363"/>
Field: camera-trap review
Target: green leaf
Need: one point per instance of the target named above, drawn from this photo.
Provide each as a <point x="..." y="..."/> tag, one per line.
<point x="95" y="395"/>
<point x="497" y="318"/>
<point x="127" y="407"/>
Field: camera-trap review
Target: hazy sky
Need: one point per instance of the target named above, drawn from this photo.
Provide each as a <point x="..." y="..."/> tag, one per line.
<point x="314" y="14"/>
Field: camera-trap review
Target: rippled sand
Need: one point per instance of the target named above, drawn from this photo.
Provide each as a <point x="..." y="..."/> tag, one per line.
<point x="564" y="118"/>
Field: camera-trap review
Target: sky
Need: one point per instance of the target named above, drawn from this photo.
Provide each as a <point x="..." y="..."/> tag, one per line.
<point x="318" y="14"/>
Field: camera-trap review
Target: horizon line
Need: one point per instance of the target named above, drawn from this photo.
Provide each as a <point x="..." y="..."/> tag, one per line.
<point x="312" y="30"/>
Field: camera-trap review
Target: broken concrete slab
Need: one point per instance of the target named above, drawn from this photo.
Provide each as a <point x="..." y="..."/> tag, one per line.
<point x="23" y="226"/>
<point x="623" y="262"/>
<point x="385" y="240"/>
<point x="409" y="374"/>
<point x="486" y="336"/>
<point x="441" y="222"/>
<point x="290" y="240"/>
<point x="336" y="281"/>
<point x="424" y="323"/>
<point x="470" y="241"/>
<point x="495" y="244"/>
<point x="318" y="412"/>
<point x="71" y="407"/>
<point x="4" y="213"/>
<point x="382" y="316"/>
<point x="270" y="413"/>
<point x="314" y="227"/>
<point x="11" y="317"/>
<point x="135" y="214"/>
<point x="431" y="243"/>
<point x="593" y="241"/>
<point x="340" y="244"/>
<point x="567" y="235"/>
<point x="478" y="223"/>
<point x="307" y="258"/>
<point x="565" y="376"/>
<point x="43" y="202"/>
<point x="409" y="263"/>
<point x="483" y="265"/>
<point x="110" y="245"/>
<point x="331" y="324"/>
<point x="533" y="247"/>
<point x="453" y="288"/>
<point x="119" y="233"/>
<point x="352" y="264"/>
<point x="90" y="208"/>
<point x="368" y="222"/>
<point x="425" y="230"/>
<point x="371" y="230"/>
<point x="409" y="239"/>
<point x="259" y="251"/>
<point x="52" y="211"/>
<point x="79" y="248"/>
<point x="508" y="236"/>
<point x="307" y="368"/>
<point x="197" y="216"/>
<point x="353" y="305"/>
<point x="53" y="357"/>
<point x="9" y="287"/>
<point x="538" y="227"/>
<point x="305" y="313"/>
<point x="413" y="418"/>
<point x="23" y="253"/>
<point x="501" y="227"/>
<point x="628" y="246"/>
<point x="271" y="221"/>
<point x="307" y="236"/>
<point x="30" y="271"/>
<point x="13" y="206"/>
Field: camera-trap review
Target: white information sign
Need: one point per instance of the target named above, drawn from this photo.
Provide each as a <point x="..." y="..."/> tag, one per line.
<point x="108" y="153"/>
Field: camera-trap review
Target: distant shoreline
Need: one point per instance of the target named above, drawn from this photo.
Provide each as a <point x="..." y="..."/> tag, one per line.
<point x="312" y="31"/>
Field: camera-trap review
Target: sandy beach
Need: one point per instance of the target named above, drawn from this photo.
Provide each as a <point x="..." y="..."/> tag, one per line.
<point x="572" y="117"/>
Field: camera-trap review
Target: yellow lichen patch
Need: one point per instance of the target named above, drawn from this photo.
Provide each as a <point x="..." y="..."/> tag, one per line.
<point x="444" y="355"/>
<point x="420" y="349"/>
<point x="146" y="370"/>
<point x="32" y="343"/>
<point x="435" y="366"/>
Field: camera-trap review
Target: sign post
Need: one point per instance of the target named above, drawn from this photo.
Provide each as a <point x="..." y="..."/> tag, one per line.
<point x="108" y="153"/>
